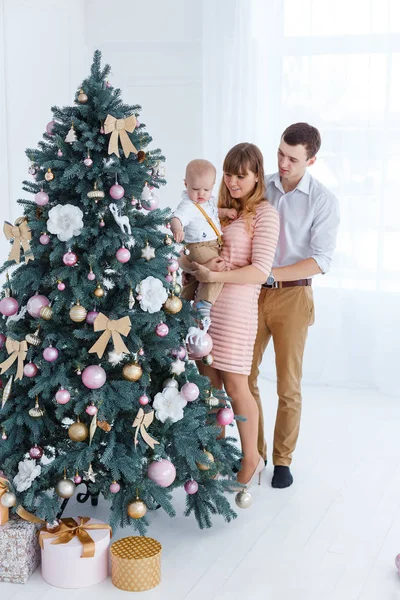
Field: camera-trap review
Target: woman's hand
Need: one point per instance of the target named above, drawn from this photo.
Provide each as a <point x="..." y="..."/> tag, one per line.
<point x="202" y="273"/>
<point x="216" y="264"/>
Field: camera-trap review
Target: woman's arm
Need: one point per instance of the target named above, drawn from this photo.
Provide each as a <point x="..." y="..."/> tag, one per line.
<point x="243" y="275"/>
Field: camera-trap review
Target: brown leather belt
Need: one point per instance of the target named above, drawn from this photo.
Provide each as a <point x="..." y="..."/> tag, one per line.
<point x="285" y="284"/>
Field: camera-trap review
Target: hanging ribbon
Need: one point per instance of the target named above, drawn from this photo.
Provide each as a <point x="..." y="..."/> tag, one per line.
<point x="17" y="350"/>
<point x="3" y="510"/>
<point x="118" y="129"/>
<point x="111" y="328"/>
<point x="69" y="528"/>
<point x="141" y="422"/>
<point x="21" y="234"/>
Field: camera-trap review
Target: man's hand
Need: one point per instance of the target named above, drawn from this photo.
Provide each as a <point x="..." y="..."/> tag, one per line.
<point x="202" y="273"/>
<point x="216" y="264"/>
<point x="178" y="236"/>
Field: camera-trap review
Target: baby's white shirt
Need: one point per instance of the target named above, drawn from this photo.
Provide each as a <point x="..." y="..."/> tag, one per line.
<point x="194" y="224"/>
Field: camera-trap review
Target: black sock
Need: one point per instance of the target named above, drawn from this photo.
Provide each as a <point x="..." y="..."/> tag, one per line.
<point x="282" y="477"/>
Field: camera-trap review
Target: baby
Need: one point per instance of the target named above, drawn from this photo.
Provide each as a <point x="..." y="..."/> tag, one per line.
<point x="197" y="221"/>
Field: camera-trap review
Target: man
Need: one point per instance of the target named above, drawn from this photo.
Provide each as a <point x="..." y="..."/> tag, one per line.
<point x="309" y="221"/>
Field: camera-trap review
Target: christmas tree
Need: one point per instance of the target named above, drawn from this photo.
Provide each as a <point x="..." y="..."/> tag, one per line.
<point x="98" y="387"/>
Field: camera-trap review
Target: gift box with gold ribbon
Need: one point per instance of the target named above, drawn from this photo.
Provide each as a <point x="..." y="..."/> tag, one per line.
<point x="136" y="563"/>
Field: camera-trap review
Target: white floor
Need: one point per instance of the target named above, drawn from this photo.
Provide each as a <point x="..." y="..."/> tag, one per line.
<point x="332" y="536"/>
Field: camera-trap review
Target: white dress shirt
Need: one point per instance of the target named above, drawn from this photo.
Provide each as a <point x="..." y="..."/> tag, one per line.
<point x="309" y="221"/>
<point x="194" y="223"/>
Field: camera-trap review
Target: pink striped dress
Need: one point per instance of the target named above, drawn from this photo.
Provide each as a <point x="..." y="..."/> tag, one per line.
<point x="234" y="315"/>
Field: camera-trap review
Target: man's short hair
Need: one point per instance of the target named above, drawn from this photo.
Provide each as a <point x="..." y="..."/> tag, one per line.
<point x="304" y="134"/>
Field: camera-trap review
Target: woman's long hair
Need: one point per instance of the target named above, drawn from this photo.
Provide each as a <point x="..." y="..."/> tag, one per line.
<point x="240" y="159"/>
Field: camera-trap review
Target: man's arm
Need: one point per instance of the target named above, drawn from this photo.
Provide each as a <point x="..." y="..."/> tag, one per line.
<point x="300" y="270"/>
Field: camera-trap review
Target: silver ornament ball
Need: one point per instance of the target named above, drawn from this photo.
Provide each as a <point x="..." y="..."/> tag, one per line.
<point x="8" y="500"/>
<point x="65" y="488"/>
<point x="170" y="383"/>
<point x="243" y="499"/>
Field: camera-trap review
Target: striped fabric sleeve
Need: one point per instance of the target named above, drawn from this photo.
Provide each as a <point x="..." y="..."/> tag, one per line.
<point x="265" y="238"/>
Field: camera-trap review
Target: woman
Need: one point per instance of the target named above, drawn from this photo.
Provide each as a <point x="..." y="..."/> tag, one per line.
<point x="247" y="254"/>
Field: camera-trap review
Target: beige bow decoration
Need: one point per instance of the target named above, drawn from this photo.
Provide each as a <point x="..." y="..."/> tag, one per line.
<point x="21" y="234"/>
<point x="110" y="328"/>
<point x="118" y="129"/>
<point x="141" y="422"/>
<point x="16" y="350"/>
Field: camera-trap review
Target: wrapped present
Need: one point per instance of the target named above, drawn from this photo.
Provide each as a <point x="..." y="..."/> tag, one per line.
<point x="3" y="509"/>
<point x="76" y="555"/>
<point x="136" y="563"/>
<point x="19" y="550"/>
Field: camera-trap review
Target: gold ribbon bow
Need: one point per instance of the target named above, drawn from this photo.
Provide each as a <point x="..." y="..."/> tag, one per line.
<point x="69" y="528"/>
<point x="118" y="129"/>
<point x="21" y="234"/>
<point x="17" y="350"/>
<point x="3" y="510"/>
<point x="143" y="420"/>
<point x="111" y="328"/>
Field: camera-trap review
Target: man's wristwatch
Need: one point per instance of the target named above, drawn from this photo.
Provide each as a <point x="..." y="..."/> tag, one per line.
<point x="271" y="279"/>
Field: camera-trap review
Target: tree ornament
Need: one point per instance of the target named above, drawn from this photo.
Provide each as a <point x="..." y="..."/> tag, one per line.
<point x="71" y="135"/>
<point x="173" y="265"/>
<point x="132" y="371"/>
<point x="162" y="472"/>
<point x="186" y="251"/>
<point x="118" y="129"/>
<point x="211" y="400"/>
<point x="121" y="220"/>
<point x="91" y="317"/>
<point x="104" y="426"/>
<point x="8" y="500"/>
<point x="53" y="526"/>
<point x="203" y="466"/>
<point x="50" y="127"/>
<point x="207" y="360"/>
<point x="115" y="487"/>
<point x="50" y="354"/>
<point x="177" y="366"/>
<point x="41" y="198"/>
<point x="169" y="404"/>
<point x="66" y="221"/>
<point x="2" y="340"/>
<point x="36" y="412"/>
<point x="225" y="416"/>
<point x="91" y="276"/>
<point x="94" y="377"/>
<point x="191" y="487"/>
<point x="143" y="400"/>
<point x="4" y="435"/>
<point x="131" y="300"/>
<point x="179" y="352"/>
<point x="28" y="470"/>
<point x="123" y="255"/>
<point x="33" y="338"/>
<point x="88" y="161"/>
<point x="36" y="452"/>
<point x="90" y="475"/>
<point x="141" y="156"/>
<point x="49" y="176"/>
<point x="35" y="304"/>
<point x="59" y="153"/>
<point x="95" y="194"/>
<point x="78" y="431"/>
<point x="177" y="289"/>
<point x="63" y="396"/>
<point x="152" y="294"/>
<point x="32" y="169"/>
<point x="77" y="478"/>
<point x="148" y="252"/>
<point x="141" y="352"/>
<point x="190" y="391"/>
<point x="173" y="305"/>
<point x="70" y="259"/>
<point x="170" y="383"/>
<point x="44" y="239"/>
<point x="198" y="341"/>
<point x="168" y="240"/>
<point x="78" y="313"/>
<point x="117" y="192"/>
<point x="82" y="97"/>
<point x="65" y="488"/>
<point x="60" y="285"/>
<point x="91" y="410"/>
<point x="162" y="329"/>
<point x="102" y="222"/>
<point x="137" y="509"/>
<point x="99" y="291"/>
<point x="30" y="370"/>
<point x="243" y="499"/>
<point x="148" y="199"/>
<point x="8" y="306"/>
<point x="46" y="313"/>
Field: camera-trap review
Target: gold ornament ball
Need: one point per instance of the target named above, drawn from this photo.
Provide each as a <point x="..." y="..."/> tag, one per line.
<point x="49" y="176"/>
<point x="65" y="488"/>
<point x="210" y="457"/>
<point x="132" y="371"/>
<point x="82" y="97"/>
<point x="168" y="240"/>
<point x="177" y="289"/>
<point x="54" y="526"/>
<point x="211" y="401"/>
<point x="77" y="313"/>
<point x="78" y="432"/>
<point x="207" y="360"/>
<point x="243" y="499"/>
<point x="33" y="338"/>
<point x="8" y="500"/>
<point x="46" y="313"/>
<point x="99" y="292"/>
<point x="137" y="509"/>
<point x="173" y="305"/>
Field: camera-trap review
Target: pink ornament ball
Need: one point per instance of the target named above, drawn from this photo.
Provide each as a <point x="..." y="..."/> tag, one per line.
<point x="179" y="352"/>
<point x="200" y="346"/>
<point x="77" y="479"/>
<point x="2" y="340"/>
<point x="44" y="239"/>
<point x="141" y="351"/>
<point x="162" y="330"/>
<point x="173" y="265"/>
<point x="41" y="198"/>
<point x="30" y="370"/>
<point x="123" y="255"/>
<point x="88" y="162"/>
<point x="169" y="278"/>
<point x="50" y="354"/>
<point x="91" y="410"/>
<point x="225" y="416"/>
<point x="117" y="191"/>
<point x="162" y="472"/>
<point x="190" y="391"/>
<point x="59" y="153"/>
<point x="50" y="127"/>
<point x="101" y="130"/>
<point x="63" y="396"/>
<point x="115" y="487"/>
<point x="61" y="286"/>
<point x="151" y="203"/>
<point x="137" y="123"/>
<point x="191" y="487"/>
<point x="91" y="317"/>
<point x="94" y="377"/>
<point x="70" y="259"/>
<point x="36" y="452"/>
<point x="91" y="276"/>
<point x="139" y="297"/>
<point x="8" y="306"/>
<point x="35" y="304"/>
<point x="143" y="400"/>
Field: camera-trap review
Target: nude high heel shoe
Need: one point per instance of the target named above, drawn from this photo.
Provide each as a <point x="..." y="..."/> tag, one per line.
<point x="257" y="473"/>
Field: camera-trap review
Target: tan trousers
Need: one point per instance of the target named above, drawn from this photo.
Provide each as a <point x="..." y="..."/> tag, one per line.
<point x="285" y="314"/>
<point x="202" y="253"/>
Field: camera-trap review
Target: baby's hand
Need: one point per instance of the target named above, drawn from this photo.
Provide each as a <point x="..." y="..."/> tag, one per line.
<point x="231" y="213"/>
<point x="178" y="236"/>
